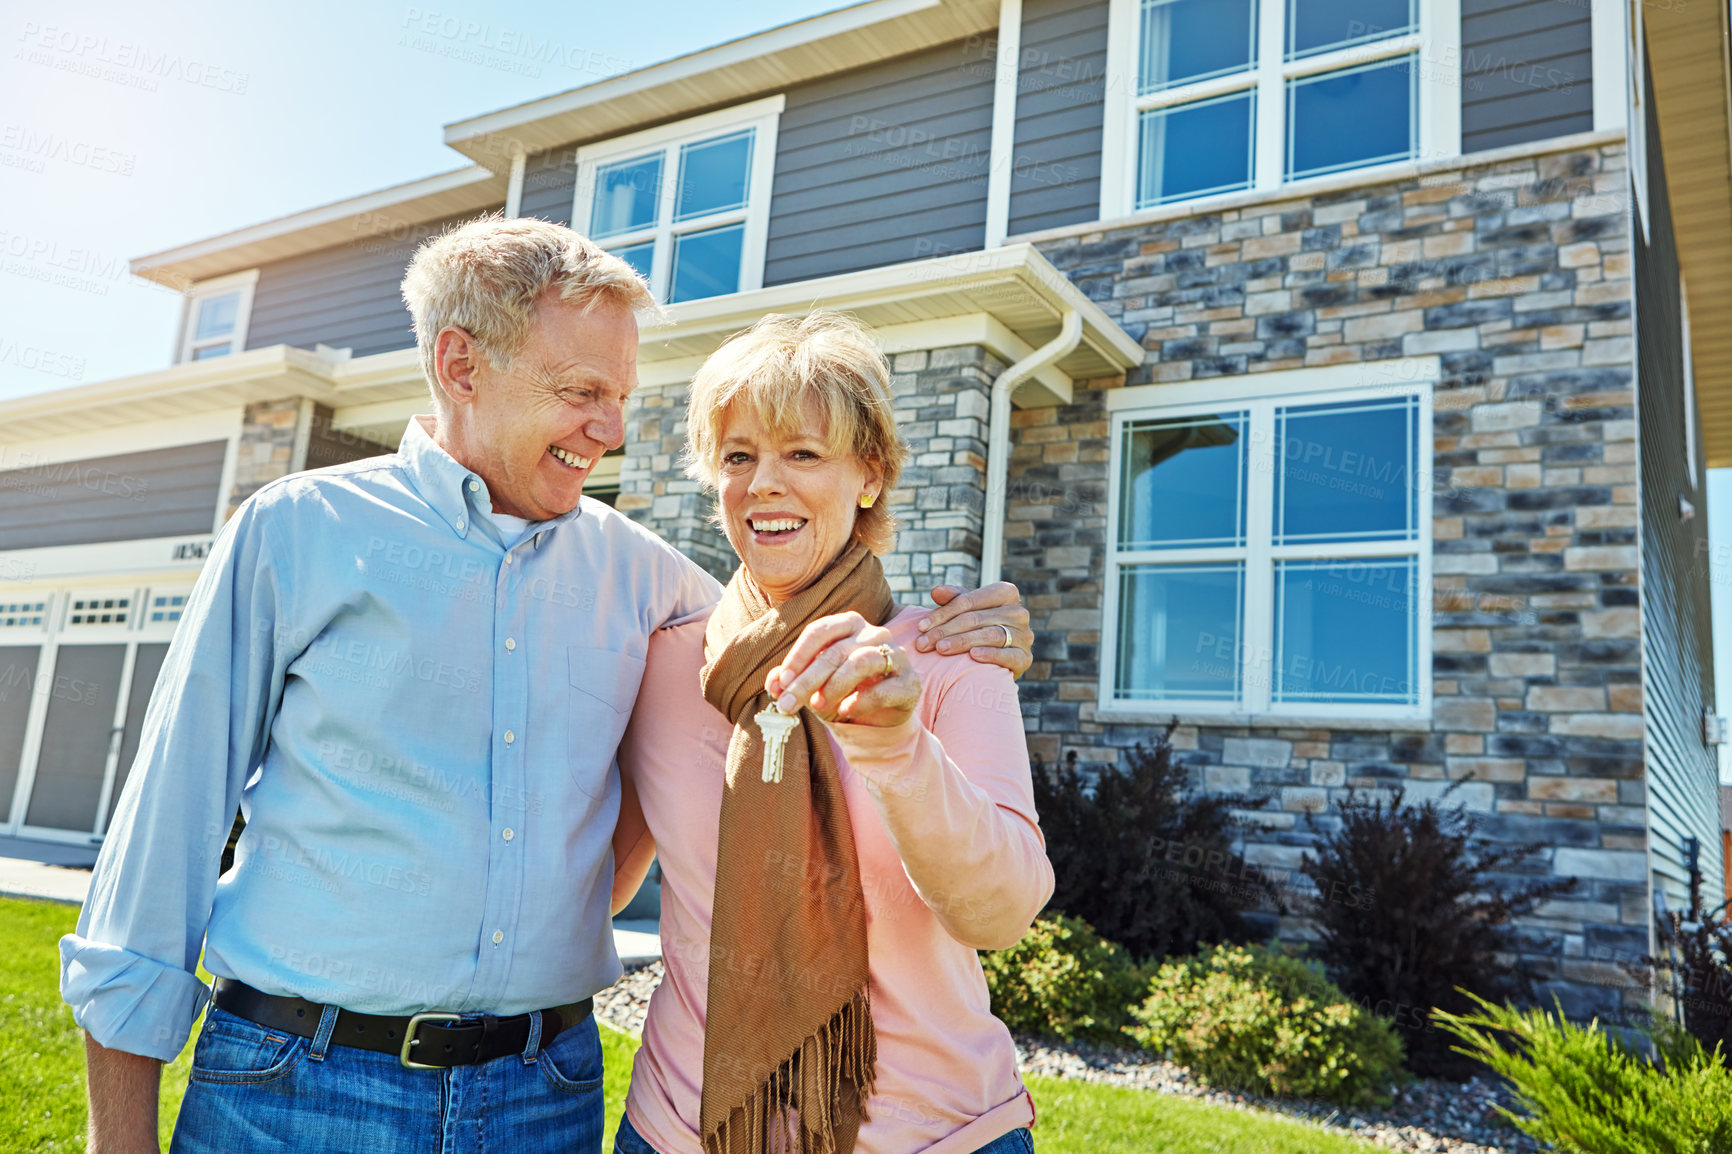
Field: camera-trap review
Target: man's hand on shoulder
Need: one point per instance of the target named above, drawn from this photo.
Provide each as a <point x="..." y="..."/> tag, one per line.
<point x="990" y="624"/>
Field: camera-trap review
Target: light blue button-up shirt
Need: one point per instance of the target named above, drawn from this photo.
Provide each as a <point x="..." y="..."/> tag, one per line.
<point x="419" y="721"/>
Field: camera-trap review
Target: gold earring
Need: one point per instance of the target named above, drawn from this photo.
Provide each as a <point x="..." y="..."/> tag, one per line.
<point x="866" y="500"/>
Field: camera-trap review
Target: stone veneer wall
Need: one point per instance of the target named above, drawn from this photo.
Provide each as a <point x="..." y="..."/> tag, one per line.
<point x="267" y="448"/>
<point x="1517" y="275"/>
<point x="653" y="487"/>
<point x="941" y="399"/>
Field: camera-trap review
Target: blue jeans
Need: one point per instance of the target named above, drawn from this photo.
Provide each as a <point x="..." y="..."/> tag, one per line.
<point x="629" y="1141"/>
<point x="257" y="1090"/>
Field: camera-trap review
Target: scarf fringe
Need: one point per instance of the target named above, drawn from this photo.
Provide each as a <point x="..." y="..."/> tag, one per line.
<point x="844" y="1049"/>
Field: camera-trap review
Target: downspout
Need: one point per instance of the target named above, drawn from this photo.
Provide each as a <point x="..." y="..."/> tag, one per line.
<point x="998" y="439"/>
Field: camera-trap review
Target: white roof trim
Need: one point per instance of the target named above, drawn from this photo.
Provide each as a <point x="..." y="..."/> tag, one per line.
<point x="1007" y="299"/>
<point x="392" y="205"/>
<point x="724" y="55"/>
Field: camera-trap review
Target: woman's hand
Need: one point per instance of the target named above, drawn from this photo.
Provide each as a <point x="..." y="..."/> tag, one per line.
<point x="847" y="671"/>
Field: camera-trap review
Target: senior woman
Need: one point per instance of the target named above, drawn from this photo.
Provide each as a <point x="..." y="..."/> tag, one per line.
<point x="827" y="876"/>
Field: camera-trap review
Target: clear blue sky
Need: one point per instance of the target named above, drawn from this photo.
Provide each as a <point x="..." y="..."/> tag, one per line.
<point x="127" y="128"/>
<point x="253" y="111"/>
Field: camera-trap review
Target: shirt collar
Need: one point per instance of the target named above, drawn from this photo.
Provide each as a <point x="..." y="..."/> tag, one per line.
<point x="457" y="494"/>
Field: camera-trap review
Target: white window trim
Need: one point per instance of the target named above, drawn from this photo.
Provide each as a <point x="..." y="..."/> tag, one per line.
<point x="1412" y="377"/>
<point x="1633" y="33"/>
<point x="245" y="282"/>
<point x="1437" y="47"/>
<point x="763" y="116"/>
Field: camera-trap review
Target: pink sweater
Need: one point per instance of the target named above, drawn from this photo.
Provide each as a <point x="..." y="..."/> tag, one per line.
<point x="951" y="861"/>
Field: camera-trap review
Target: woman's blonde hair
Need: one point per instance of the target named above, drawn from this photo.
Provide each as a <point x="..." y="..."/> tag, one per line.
<point x="485" y="277"/>
<point x="779" y="364"/>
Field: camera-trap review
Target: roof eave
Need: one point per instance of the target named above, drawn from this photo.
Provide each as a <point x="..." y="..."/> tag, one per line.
<point x="835" y="41"/>
<point x="1688" y="64"/>
<point x="384" y="214"/>
<point x="1015" y="294"/>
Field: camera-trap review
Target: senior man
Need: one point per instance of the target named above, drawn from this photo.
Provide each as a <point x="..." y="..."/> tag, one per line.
<point x="411" y="673"/>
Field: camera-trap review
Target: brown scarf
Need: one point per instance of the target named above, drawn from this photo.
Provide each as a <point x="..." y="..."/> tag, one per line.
<point x="788" y="1030"/>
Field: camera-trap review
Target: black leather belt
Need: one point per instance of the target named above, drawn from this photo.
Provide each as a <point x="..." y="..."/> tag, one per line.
<point x="431" y="1040"/>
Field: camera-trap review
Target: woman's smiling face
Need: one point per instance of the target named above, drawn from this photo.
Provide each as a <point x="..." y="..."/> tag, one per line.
<point x="788" y="499"/>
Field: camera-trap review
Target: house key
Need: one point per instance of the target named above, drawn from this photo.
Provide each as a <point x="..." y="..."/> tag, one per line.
<point x="775" y="727"/>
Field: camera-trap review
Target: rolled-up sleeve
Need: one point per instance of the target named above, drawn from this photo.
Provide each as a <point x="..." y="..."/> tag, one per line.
<point x="129" y="971"/>
<point x="957" y="800"/>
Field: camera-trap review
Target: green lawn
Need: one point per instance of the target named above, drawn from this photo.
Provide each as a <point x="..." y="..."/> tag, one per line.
<point x="42" y="1077"/>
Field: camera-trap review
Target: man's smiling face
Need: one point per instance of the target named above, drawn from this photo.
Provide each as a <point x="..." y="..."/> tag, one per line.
<point x="534" y="430"/>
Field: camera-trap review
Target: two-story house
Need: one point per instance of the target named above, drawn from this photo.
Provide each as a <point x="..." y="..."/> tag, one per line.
<point x="1321" y="370"/>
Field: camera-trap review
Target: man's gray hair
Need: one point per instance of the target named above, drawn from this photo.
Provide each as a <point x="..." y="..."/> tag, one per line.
<point x="485" y="277"/>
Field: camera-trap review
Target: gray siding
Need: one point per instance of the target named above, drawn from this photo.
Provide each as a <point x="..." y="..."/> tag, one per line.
<point x="160" y="493"/>
<point x="1683" y="776"/>
<point x="1060" y="105"/>
<point x="330" y="446"/>
<point x="883" y="164"/>
<point x="1527" y="71"/>
<point x="346" y="296"/>
<point x="549" y="183"/>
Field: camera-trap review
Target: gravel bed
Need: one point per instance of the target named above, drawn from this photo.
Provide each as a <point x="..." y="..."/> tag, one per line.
<point x="623" y="1004"/>
<point x="1426" y="1117"/>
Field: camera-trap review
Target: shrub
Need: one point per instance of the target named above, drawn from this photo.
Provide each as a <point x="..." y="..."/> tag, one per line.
<point x="1147" y="865"/>
<point x="1411" y="917"/>
<point x="1585" y="1092"/>
<point x="1699" y="972"/>
<point x="1250" y="1018"/>
<point x="1063" y="980"/>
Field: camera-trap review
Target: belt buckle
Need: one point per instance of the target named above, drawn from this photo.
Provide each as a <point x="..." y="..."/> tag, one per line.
<point x="409" y="1040"/>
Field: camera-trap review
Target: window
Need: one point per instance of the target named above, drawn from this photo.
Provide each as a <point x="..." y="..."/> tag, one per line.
<point x="1270" y="554"/>
<point x="99" y="611"/>
<point x="1231" y="95"/>
<point x="22" y="614"/>
<point x="215" y="321"/>
<point x="687" y="205"/>
<point x="167" y="608"/>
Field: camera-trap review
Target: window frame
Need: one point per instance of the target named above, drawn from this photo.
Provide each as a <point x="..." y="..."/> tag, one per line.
<point x="243" y="282"/>
<point x="1258" y="642"/>
<point x="761" y="116"/>
<point x="1435" y="47"/>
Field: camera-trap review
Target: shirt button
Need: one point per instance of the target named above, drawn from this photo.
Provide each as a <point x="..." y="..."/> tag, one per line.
<point x="508" y="558"/>
<point x="474" y="486"/>
<point x="510" y="644"/>
<point x="508" y="834"/>
<point x="510" y="737"/>
<point x="460" y="524"/>
<point x="498" y="936"/>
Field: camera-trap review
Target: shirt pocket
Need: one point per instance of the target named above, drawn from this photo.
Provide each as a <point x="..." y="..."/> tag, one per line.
<point x="604" y="687"/>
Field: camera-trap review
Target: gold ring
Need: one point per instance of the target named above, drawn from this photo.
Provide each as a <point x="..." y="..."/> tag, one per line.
<point x="1006" y="643"/>
<point x="889" y="661"/>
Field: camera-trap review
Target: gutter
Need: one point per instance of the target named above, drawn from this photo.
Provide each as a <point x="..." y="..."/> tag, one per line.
<point x="998" y="439"/>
